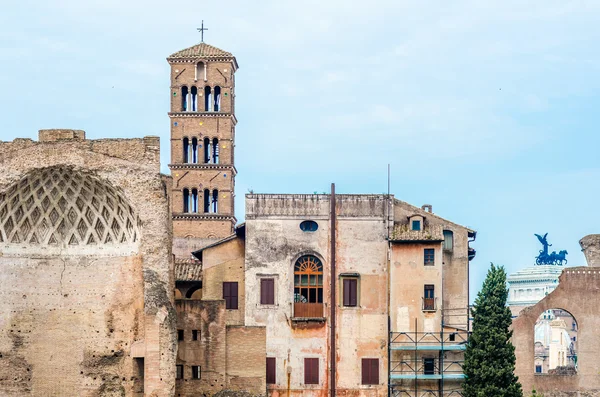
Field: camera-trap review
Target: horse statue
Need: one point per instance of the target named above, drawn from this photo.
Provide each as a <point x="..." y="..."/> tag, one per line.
<point x="544" y="258"/>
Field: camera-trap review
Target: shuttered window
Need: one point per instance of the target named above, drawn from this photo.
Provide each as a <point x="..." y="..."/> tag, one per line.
<point x="267" y="291"/>
<point x="311" y="371"/>
<point x="350" y="291"/>
<point x="271" y="372"/>
<point x="230" y="294"/>
<point x="370" y="371"/>
<point x="429" y="255"/>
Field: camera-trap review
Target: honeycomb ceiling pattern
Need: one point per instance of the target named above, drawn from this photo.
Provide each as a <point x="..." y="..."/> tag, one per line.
<point x="60" y="207"/>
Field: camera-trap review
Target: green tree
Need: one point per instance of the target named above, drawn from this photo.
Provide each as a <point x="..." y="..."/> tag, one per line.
<point x="490" y="355"/>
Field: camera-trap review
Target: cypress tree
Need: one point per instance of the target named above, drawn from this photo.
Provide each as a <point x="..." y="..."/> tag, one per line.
<point x="490" y="355"/>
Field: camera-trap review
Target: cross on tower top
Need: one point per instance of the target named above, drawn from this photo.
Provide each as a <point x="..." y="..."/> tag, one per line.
<point x="201" y="30"/>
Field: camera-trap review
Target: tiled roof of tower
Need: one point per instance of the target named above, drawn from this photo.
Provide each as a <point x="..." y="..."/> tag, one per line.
<point x="201" y="50"/>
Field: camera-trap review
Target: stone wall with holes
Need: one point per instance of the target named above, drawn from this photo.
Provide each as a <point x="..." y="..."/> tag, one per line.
<point x="578" y="293"/>
<point x="85" y="258"/>
<point x="274" y="243"/>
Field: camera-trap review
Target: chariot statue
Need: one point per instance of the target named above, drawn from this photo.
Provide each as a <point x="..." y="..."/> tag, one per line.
<point x="545" y="258"/>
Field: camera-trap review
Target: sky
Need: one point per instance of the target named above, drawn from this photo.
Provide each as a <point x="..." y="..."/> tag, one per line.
<point x="485" y="109"/>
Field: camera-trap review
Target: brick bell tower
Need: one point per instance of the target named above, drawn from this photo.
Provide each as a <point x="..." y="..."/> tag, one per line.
<point x="202" y="146"/>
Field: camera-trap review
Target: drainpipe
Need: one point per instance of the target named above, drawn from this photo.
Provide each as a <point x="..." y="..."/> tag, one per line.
<point x="333" y="283"/>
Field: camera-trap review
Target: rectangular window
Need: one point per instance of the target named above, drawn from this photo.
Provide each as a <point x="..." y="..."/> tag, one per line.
<point x="179" y="371"/>
<point x="230" y="294"/>
<point x="195" y="372"/>
<point x="267" y="291"/>
<point x="448" y="240"/>
<point x="271" y="371"/>
<point x="195" y="334"/>
<point x="350" y="292"/>
<point x="428" y="297"/>
<point x="311" y="371"/>
<point x="416" y="225"/>
<point x="538" y="369"/>
<point x="429" y="256"/>
<point x="179" y="334"/>
<point x="428" y="366"/>
<point x="370" y="371"/>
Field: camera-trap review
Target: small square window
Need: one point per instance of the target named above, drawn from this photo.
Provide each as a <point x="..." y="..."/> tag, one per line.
<point x="452" y="337"/>
<point x="195" y="334"/>
<point x="429" y="256"/>
<point x="416" y="225"/>
<point x="179" y="334"/>
<point x="195" y="372"/>
<point x="538" y="369"/>
<point x="180" y="372"/>
<point x="370" y="371"/>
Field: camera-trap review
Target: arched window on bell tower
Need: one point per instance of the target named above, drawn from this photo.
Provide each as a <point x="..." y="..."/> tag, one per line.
<point x="195" y="150"/>
<point x="207" y="99"/>
<point x="207" y="151"/>
<point x="215" y="202"/>
<point x="206" y="201"/>
<point x="186" y="200"/>
<point x="186" y="150"/>
<point x="184" y="98"/>
<point x="217" y="99"/>
<point x="215" y="151"/>
<point x="201" y="71"/>
<point x="194" y="201"/>
<point x="194" y="101"/>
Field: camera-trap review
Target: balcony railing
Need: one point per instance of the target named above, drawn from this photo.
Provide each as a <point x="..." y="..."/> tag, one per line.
<point x="308" y="310"/>
<point x="429" y="304"/>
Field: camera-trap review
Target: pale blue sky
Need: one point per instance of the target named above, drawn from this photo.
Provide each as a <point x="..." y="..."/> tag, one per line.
<point x="485" y="109"/>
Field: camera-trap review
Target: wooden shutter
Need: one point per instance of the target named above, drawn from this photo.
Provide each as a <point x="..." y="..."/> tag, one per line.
<point x="227" y="295"/>
<point x="370" y="371"/>
<point x="234" y="296"/>
<point x="271" y="371"/>
<point x="311" y="371"/>
<point x="350" y="292"/>
<point x="267" y="291"/>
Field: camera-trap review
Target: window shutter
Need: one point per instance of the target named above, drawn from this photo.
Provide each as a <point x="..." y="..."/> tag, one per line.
<point x="267" y="291"/>
<point x="353" y="291"/>
<point x="227" y="295"/>
<point x="271" y="370"/>
<point x="346" y="292"/>
<point x="365" y="371"/>
<point x="307" y="371"/>
<point x="374" y="371"/>
<point x="234" y="295"/>
<point x="263" y="292"/>
<point x="271" y="292"/>
<point x="311" y="371"/>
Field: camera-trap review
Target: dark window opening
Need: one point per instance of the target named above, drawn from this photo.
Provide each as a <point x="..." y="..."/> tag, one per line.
<point x="179" y="334"/>
<point x="267" y="291"/>
<point x="311" y="371"/>
<point x="538" y="369"/>
<point x="215" y="151"/>
<point x="138" y="384"/>
<point x="206" y="201"/>
<point x="207" y="100"/>
<point x="428" y="366"/>
<point x="194" y="100"/>
<point x="194" y="206"/>
<point x="309" y="226"/>
<point x="186" y="150"/>
<point x="207" y="151"/>
<point x="429" y="254"/>
<point x="195" y="333"/>
<point x="186" y="200"/>
<point x="215" y="202"/>
<point x="194" y="150"/>
<point x="271" y="371"/>
<point x="184" y="98"/>
<point x="230" y="294"/>
<point x="370" y="371"/>
<point x="453" y="337"/>
<point x="416" y="225"/>
<point x="350" y="286"/>
<point x="195" y="372"/>
<point x="217" y="104"/>
<point x="179" y="372"/>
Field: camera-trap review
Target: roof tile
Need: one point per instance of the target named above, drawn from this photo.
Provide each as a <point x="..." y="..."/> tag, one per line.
<point x="200" y="50"/>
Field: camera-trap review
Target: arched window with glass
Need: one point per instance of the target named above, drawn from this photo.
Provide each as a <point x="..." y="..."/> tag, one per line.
<point x="308" y="287"/>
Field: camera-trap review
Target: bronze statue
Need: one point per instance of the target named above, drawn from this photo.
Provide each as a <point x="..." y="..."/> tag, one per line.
<point x="550" y="259"/>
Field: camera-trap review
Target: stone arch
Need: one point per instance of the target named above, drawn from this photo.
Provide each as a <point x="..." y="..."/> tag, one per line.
<point x="60" y="208"/>
<point x="555" y="343"/>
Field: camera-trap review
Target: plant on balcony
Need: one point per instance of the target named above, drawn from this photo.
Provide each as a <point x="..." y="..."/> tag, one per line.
<point x="490" y="355"/>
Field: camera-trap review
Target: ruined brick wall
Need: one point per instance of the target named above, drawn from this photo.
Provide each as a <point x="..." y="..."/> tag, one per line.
<point x="246" y="364"/>
<point x="208" y="352"/>
<point x="84" y="267"/>
<point x="577" y="292"/>
<point x="274" y="241"/>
